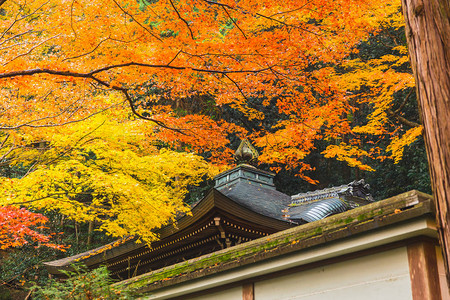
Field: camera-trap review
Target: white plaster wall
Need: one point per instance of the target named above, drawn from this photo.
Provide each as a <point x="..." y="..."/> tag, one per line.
<point x="379" y="276"/>
<point x="229" y="294"/>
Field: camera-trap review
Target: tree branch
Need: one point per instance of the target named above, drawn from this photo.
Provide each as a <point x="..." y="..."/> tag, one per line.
<point x="107" y="68"/>
<point x="181" y="18"/>
<point x="90" y="75"/>
<point x="237" y="86"/>
<point x="17" y="35"/>
<point x="401" y="119"/>
<point x="132" y="17"/>
<point x="28" y="124"/>
<point x="4" y="141"/>
<point x="71" y="19"/>
<point x="87" y="53"/>
<point x="259" y="15"/>
<point x="31" y="49"/>
<point x="133" y="109"/>
<point x="235" y="24"/>
<point x="404" y="102"/>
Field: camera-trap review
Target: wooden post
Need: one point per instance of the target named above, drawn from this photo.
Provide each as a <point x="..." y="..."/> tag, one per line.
<point x="423" y="271"/>
<point x="248" y="291"/>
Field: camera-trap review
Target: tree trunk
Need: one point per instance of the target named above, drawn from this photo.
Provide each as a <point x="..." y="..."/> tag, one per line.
<point x="428" y="35"/>
<point x="90" y="230"/>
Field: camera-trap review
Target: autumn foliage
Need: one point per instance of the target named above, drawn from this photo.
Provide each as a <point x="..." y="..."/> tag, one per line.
<point x="91" y="93"/>
<point x="19" y="226"/>
<point x="109" y="171"/>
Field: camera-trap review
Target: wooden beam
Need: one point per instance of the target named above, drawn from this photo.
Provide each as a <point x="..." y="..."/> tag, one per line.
<point x="248" y="291"/>
<point x="423" y="271"/>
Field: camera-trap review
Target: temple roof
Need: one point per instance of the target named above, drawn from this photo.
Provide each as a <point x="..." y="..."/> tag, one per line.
<point x="379" y="215"/>
<point x="244" y="205"/>
<point x="214" y="220"/>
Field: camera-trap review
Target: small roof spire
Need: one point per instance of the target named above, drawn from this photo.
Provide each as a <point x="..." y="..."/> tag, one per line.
<point x="246" y="153"/>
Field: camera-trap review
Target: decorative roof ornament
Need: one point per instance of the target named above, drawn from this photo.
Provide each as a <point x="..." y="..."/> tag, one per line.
<point x="246" y="153"/>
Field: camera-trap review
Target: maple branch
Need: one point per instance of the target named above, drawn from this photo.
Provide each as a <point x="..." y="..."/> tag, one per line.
<point x="90" y="75"/>
<point x="64" y="153"/>
<point x="221" y="54"/>
<point x="28" y="124"/>
<point x="287" y="25"/>
<point x="220" y="4"/>
<point x="11" y="25"/>
<point x="404" y="102"/>
<point x="71" y="19"/>
<point x="11" y="149"/>
<point x="292" y="10"/>
<point x="237" y="86"/>
<point x="235" y="24"/>
<point x="174" y="57"/>
<point x="51" y="196"/>
<point x="87" y="53"/>
<point x="11" y="46"/>
<point x="4" y="141"/>
<point x="31" y="168"/>
<point x="86" y="75"/>
<point x="17" y="35"/>
<point x="394" y="39"/>
<point x="137" y="22"/>
<point x="101" y="42"/>
<point x="275" y="73"/>
<point x="16" y="19"/>
<point x="380" y="39"/>
<point x="401" y="119"/>
<point x="133" y="109"/>
<point x="181" y="18"/>
<point x="260" y="15"/>
<point x="31" y="49"/>
<point x="211" y="71"/>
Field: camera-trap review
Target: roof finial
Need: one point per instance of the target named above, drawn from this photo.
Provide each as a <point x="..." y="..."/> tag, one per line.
<point x="246" y="153"/>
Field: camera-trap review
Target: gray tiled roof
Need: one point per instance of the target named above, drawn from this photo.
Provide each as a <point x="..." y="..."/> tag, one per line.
<point x="257" y="197"/>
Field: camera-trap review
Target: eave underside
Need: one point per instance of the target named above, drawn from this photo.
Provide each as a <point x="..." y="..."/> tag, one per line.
<point x="217" y="230"/>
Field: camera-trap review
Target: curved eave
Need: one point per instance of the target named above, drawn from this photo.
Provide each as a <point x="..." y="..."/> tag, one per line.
<point x="319" y="210"/>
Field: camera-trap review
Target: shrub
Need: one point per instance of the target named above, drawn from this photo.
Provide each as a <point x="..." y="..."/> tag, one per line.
<point x="81" y="285"/>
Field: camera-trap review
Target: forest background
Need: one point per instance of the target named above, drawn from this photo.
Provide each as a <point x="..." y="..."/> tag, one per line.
<point x="112" y="106"/>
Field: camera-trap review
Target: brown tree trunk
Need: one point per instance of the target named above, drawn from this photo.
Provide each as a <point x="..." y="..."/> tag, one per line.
<point x="428" y="35"/>
<point x="90" y="231"/>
